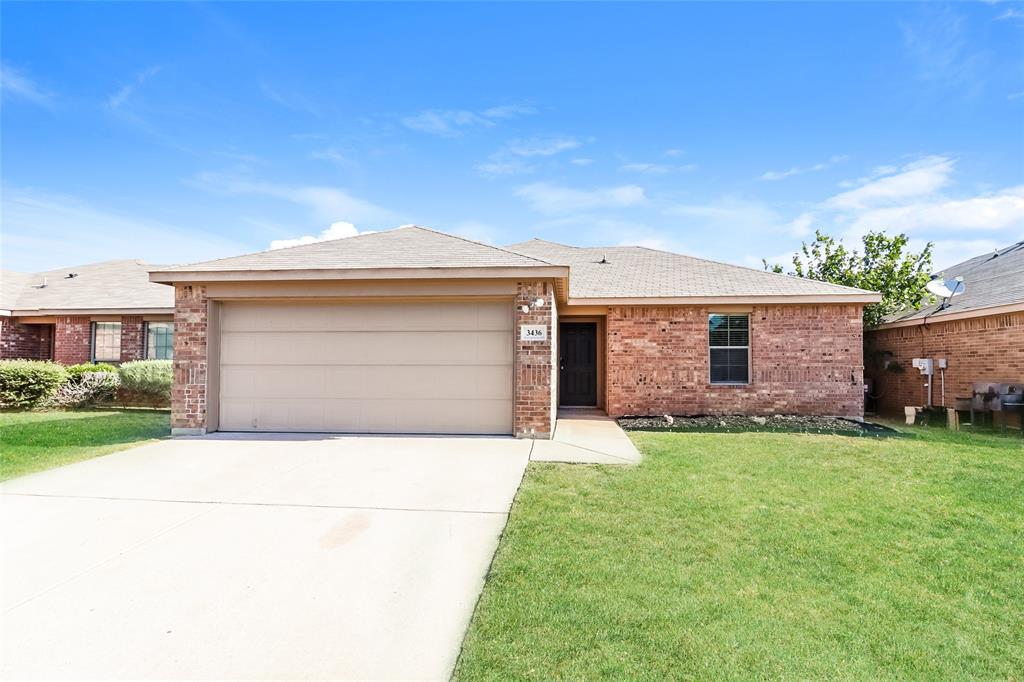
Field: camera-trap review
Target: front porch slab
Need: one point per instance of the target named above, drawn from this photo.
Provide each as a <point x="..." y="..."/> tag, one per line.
<point x="585" y="436"/>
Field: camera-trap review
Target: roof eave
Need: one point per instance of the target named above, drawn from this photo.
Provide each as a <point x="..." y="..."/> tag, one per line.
<point x="864" y="298"/>
<point x="35" y="312"/>
<point x="951" y="316"/>
<point x="490" y="272"/>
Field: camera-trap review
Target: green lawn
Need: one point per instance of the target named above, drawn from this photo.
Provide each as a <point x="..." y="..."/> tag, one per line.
<point x="743" y="556"/>
<point x="33" y="441"/>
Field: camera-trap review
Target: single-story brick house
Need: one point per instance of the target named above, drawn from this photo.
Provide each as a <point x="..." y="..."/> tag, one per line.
<point x="100" y="312"/>
<point x="980" y="334"/>
<point x="416" y="331"/>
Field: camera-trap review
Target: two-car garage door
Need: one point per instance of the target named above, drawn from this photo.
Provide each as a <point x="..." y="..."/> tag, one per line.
<point x="410" y="367"/>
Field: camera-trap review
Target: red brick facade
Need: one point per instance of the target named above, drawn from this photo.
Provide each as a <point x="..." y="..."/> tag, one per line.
<point x="25" y="341"/>
<point x="72" y="340"/>
<point x="534" y="363"/>
<point x="188" y="395"/>
<point x="133" y="339"/>
<point x="988" y="348"/>
<point x="804" y="359"/>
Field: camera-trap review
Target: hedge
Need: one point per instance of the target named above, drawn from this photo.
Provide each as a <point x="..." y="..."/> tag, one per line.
<point x="28" y="383"/>
<point x="149" y="378"/>
<point x="76" y="371"/>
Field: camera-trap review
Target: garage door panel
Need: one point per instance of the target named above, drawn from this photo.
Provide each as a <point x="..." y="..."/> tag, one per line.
<point x="359" y="348"/>
<point x="385" y="368"/>
<point x="412" y="316"/>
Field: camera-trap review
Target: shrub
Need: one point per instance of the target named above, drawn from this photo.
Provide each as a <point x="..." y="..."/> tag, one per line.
<point x="150" y="379"/>
<point x="27" y="383"/>
<point x="88" y="388"/>
<point x="76" y="371"/>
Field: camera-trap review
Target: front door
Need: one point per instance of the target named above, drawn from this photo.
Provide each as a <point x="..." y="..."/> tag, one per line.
<point x="577" y="378"/>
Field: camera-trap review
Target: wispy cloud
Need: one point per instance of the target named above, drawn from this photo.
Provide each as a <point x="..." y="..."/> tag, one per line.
<point x="117" y="99"/>
<point x="800" y="170"/>
<point x="15" y="83"/>
<point x="1012" y="14"/>
<point x="545" y="197"/>
<point x="509" y="160"/>
<point x="917" y="178"/>
<point x="1015" y="95"/>
<point x="454" y="122"/>
<point x="290" y="99"/>
<point x="940" y="53"/>
<point x="326" y="204"/>
<point x="657" y="168"/>
<point x="673" y="153"/>
<point x="333" y="155"/>
<point x="582" y="161"/>
<point x="337" y="230"/>
<point x="37" y="225"/>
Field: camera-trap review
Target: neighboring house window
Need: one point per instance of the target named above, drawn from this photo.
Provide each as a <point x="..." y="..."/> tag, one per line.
<point x="159" y="340"/>
<point x="729" y="340"/>
<point x="106" y="341"/>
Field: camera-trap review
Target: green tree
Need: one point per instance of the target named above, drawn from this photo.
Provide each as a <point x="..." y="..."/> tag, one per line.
<point x="886" y="266"/>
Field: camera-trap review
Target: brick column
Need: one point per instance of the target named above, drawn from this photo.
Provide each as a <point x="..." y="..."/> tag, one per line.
<point x="534" y="363"/>
<point x="133" y="343"/>
<point x="72" y="340"/>
<point x="188" y="394"/>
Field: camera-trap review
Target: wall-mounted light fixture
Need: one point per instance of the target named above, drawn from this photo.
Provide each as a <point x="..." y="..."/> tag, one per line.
<point x="538" y="303"/>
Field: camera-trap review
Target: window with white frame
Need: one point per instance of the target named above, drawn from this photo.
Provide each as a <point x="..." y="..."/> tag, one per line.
<point x="729" y="343"/>
<point x="106" y="341"/>
<point x="159" y="340"/>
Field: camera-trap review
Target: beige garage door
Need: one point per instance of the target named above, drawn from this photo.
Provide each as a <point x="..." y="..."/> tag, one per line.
<point x="437" y="367"/>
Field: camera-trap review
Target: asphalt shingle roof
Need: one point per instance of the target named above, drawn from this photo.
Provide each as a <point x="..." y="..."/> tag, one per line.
<point x="405" y="247"/>
<point x="639" y="272"/>
<point x="113" y="285"/>
<point x="994" y="279"/>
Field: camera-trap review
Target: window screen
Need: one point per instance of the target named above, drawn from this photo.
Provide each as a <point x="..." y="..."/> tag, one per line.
<point x="106" y="341"/>
<point x="160" y="340"/>
<point x="729" y="341"/>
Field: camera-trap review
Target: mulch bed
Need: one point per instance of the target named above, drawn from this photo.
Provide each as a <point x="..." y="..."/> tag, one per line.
<point x="774" y="423"/>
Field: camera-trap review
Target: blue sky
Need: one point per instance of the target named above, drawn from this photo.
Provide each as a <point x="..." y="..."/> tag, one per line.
<point x="182" y="132"/>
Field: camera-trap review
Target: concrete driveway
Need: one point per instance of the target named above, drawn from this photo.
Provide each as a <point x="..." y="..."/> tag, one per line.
<point x="235" y="557"/>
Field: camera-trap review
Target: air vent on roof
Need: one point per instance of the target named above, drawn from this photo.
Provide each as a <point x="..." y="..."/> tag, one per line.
<point x="603" y="261"/>
<point x="71" y="275"/>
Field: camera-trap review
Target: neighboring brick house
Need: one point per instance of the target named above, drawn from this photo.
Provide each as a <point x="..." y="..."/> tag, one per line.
<point x="979" y="333"/>
<point x="101" y="312"/>
<point x="416" y="331"/>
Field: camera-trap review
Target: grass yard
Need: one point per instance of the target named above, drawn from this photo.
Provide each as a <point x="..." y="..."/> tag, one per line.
<point x="741" y="556"/>
<point x="34" y="441"/>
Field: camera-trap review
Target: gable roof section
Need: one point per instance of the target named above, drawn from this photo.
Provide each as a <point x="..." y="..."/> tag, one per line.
<point x="405" y="249"/>
<point x="116" y="285"/>
<point x="992" y="281"/>
<point x="636" y="272"/>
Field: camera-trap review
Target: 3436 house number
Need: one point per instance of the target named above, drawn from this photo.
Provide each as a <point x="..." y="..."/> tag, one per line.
<point x="533" y="332"/>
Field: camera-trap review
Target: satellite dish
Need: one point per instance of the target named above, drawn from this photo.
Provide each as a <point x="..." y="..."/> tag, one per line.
<point x="946" y="288"/>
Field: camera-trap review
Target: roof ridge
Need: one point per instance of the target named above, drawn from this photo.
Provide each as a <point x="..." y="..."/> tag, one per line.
<point x="473" y="241"/>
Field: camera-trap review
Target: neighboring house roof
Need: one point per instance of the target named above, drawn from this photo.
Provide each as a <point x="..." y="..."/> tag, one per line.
<point x="992" y="282"/>
<point x="404" y="248"/>
<point x="606" y="274"/>
<point x="115" y="286"/>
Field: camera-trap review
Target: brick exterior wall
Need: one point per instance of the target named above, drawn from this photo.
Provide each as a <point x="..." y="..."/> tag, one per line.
<point x="133" y="341"/>
<point x="989" y="348"/>
<point x="805" y="359"/>
<point x="191" y="361"/>
<point x="72" y="340"/>
<point x="25" y="341"/>
<point x="534" y="364"/>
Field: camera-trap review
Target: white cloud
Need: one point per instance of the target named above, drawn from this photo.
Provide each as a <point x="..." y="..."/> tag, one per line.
<point x="541" y="146"/>
<point x="656" y="168"/>
<point x="453" y="122"/>
<point x="1015" y="95"/>
<point x="498" y="166"/>
<point x="800" y="170"/>
<point x="581" y="162"/>
<point x="337" y="230"/>
<point x="916" y="179"/>
<point x="326" y="204"/>
<point x="673" y="153"/>
<point x="948" y="252"/>
<point x="122" y="95"/>
<point x="290" y="99"/>
<point x="997" y="211"/>
<point x="732" y="215"/>
<point x="42" y="230"/>
<point x="14" y="83"/>
<point x="549" y="198"/>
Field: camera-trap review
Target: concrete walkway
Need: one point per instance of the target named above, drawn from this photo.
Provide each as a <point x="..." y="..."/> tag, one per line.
<point x="253" y="557"/>
<point x="584" y="436"/>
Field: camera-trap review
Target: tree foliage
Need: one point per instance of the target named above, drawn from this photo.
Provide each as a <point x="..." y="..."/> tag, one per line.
<point x="886" y="265"/>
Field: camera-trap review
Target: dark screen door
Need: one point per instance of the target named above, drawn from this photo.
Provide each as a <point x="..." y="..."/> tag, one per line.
<point x="578" y="363"/>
